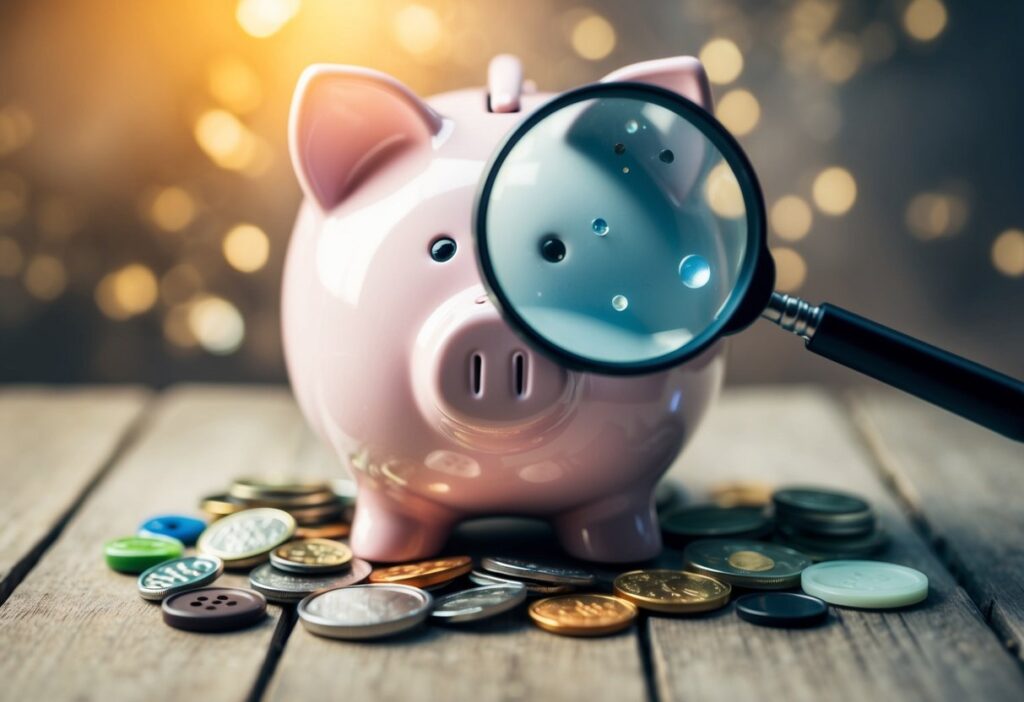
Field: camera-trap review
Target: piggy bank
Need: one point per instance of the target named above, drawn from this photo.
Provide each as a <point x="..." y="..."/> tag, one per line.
<point x="401" y="362"/>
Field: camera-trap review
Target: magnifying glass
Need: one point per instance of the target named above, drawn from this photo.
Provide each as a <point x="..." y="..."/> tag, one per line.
<point x="621" y="229"/>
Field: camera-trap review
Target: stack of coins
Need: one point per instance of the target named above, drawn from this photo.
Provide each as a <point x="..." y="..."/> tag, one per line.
<point x="321" y="509"/>
<point x="827" y="524"/>
<point x="303" y="566"/>
<point x="539" y="578"/>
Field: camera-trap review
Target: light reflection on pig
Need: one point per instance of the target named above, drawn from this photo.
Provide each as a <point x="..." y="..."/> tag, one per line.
<point x="404" y="366"/>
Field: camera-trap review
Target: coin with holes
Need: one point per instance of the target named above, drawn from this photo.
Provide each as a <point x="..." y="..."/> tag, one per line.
<point x="181" y="574"/>
<point x="311" y="556"/>
<point x="174" y="526"/>
<point x="245" y="538"/>
<point x="214" y="609"/>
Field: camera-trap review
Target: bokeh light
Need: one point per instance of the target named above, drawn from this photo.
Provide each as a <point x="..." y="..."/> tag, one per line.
<point x="229" y="143"/>
<point x="16" y="128"/>
<point x="722" y="192"/>
<point x="739" y="111"/>
<point x="722" y="60"/>
<point x="13" y="197"/>
<point x="840" y="58"/>
<point x="1008" y="253"/>
<point x="791" y="218"/>
<point x="45" y="277"/>
<point x="246" y="248"/>
<point x="593" y="37"/>
<point x="931" y="215"/>
<point x="790" y="269"/>
<point x="177" y="329"/>
<point x="234" y="84"/>
<point x="172" y="209"/>
<point x="216" y="324"/>
<point x="925" y="20"/>
<point x="417" y="29"/>
<point x="834" y="191"/>
<point x="126" y="292"/>
<point x="180" y="283"/>
<point x="264" y="18"/>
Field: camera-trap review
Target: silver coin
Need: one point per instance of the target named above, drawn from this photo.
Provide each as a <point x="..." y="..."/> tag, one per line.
<point x="247" y="536"/>
<point x="535" y="570"/>
<point x="818" y="501"/>
<point x="280" y="586"/>
<point x="365" y="611"/>
<point x="534" y="589"/>
<point x="478" y="603"/>
<point x="179" y="575"/>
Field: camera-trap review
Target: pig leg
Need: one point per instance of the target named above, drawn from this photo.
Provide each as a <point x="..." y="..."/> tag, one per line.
<point x="618" y="529"/>
<point x="387" y="531"/>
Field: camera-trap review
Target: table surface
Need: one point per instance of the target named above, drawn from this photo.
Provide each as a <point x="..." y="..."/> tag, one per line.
<point x="82" y="465"/>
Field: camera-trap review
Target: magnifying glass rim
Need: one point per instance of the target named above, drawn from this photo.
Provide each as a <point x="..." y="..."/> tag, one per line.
<point x="731" y="152"/>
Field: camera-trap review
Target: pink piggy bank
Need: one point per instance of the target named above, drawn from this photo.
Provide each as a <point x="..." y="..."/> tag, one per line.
<point x="400" y="361"/>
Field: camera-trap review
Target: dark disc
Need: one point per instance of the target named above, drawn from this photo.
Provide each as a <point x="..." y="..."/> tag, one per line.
<point x="784" y="609"/>
<point x="214" y="609"/>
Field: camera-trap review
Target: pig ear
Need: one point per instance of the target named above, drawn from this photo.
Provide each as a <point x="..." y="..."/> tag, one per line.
<point x="346" y="123"/>
<point x="682" y="74"/>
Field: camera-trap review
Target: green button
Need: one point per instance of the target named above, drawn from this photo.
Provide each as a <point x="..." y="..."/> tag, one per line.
<point x="866" y="584"/>
<point x="134" y="554"/>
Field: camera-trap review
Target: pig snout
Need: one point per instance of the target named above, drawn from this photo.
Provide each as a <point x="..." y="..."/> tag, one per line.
<point x="472" y="372"/>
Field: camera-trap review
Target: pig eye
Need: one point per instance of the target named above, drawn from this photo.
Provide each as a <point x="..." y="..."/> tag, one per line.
<point x="442" y="249"/>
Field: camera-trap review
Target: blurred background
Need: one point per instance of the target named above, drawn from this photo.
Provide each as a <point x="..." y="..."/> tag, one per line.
<point x="146" y="196"/>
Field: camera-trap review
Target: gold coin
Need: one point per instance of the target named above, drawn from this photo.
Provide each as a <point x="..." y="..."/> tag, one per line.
<point x="334" y="530"/>
<point x="673" y="591"/>
<point x="750" y="560"/>
<point x="311" y="556"/>
<point x="583" y="615"/>
<point x="269" y="492"/>
<point x="317" y="514"/>
<point x="424" y="573"/>
<point x="741" y="493"/>
<point x="218" y="506"/>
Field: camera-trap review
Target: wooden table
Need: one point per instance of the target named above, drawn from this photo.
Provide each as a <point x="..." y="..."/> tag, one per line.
<point x="82" y="465"/>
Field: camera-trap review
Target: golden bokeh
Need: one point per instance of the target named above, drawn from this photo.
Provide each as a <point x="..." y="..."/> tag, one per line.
<point x="723" y="193"/>
<point x="834" y="191"/>
<point x="11" y="257"/>
<point x="790" y="269"/>
<point x="246" y="248"/>
<point x="234" y="84"/>
<point x="739" y="111"/>
<point x="925" y="20"/>
<point x="172" y="209"/>
<point x="45" y="277"/>
<point x="229" y="143"/>
<point x="931" y="215"/>
<point x="1008" y="253"/>
<point x="176" y="327"/>
<point x="593" y="37"/>
<point x="418" y="29"/>
<point x="264" y="18"/>
<point x="839" y="59"/>
<point x="13" y="197"/>
<point x="126" y="292"/>
<point x="180" y="283"/>
<point x="16" y="128"/>
<point x="791" y="217"/>
<point x="216" y="324"/>
<point x="722" y="60"/>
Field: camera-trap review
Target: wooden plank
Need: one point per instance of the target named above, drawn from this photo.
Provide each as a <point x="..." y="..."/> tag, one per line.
<point x="939" y="650"/>
<point x="962" y="483"/>
<point x="75" y="630"/>
<point x="53" y="445"/>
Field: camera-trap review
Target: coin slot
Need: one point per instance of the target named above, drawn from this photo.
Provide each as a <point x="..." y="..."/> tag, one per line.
<point x="476" y="373"/>
<point x="519" y="373"/>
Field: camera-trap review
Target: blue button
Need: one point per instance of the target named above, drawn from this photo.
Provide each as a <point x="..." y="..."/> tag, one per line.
<point x="184" y="529"/>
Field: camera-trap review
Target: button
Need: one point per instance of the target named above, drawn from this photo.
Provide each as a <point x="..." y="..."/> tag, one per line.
<point x="865" y="584"/>
<point x="214" y="609"/>
<point x="134" y="554"/>
<point x="783" y="609"/>
<point x="184" y="529"/>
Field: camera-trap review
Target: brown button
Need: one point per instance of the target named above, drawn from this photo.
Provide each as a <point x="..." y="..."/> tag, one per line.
<point x="214" y="609"/>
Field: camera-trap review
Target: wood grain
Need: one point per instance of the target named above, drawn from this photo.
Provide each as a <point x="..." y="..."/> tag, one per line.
<point x="938" y="650"/>
<point x="53" y="445"/>
<point x="963" y="485"/>
<point x="76" y="630"/>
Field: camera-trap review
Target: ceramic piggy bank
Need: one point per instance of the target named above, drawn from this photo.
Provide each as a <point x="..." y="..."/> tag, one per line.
<point x="400" y="361"/>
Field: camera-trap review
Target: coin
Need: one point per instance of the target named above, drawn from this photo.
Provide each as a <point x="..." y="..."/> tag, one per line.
<point x="536" y="570"/>
<point x="214" y="609"/>
<point x="332" y="530"/>
<point x="533" y="588"/>
<point x="280" y="488"/>
<point x="217" y="506"/>
<point x="810" y="501"/>
<point x="318" y="514"/>
<point x="826" y="548"/>
<point x="179" y="575"/>
<point x="749" y="564"/>
<point x="281" y="586"/>
<point x="365" y="611"/>
<point x="176" y="526"/>
<point x="706" y="521"/>
<point x="583" y="615"/>
<point x="784" y="609"/>
<point x="478" y="603"/>
<point x="311" y="556"/>
<point x="741" y="493"/>
<point x="865" y="584"/>
<point x="134" y="554"/>
<point x="424" y="573"/>
<point x="245" y="538"/>
<point x="673" y="591"/>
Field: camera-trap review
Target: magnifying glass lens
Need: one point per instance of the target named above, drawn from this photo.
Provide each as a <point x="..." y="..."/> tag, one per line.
<point x="615" y="229"/>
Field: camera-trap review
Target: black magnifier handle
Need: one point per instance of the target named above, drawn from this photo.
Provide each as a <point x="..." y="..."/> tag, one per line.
<point x="963" y="387"/>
